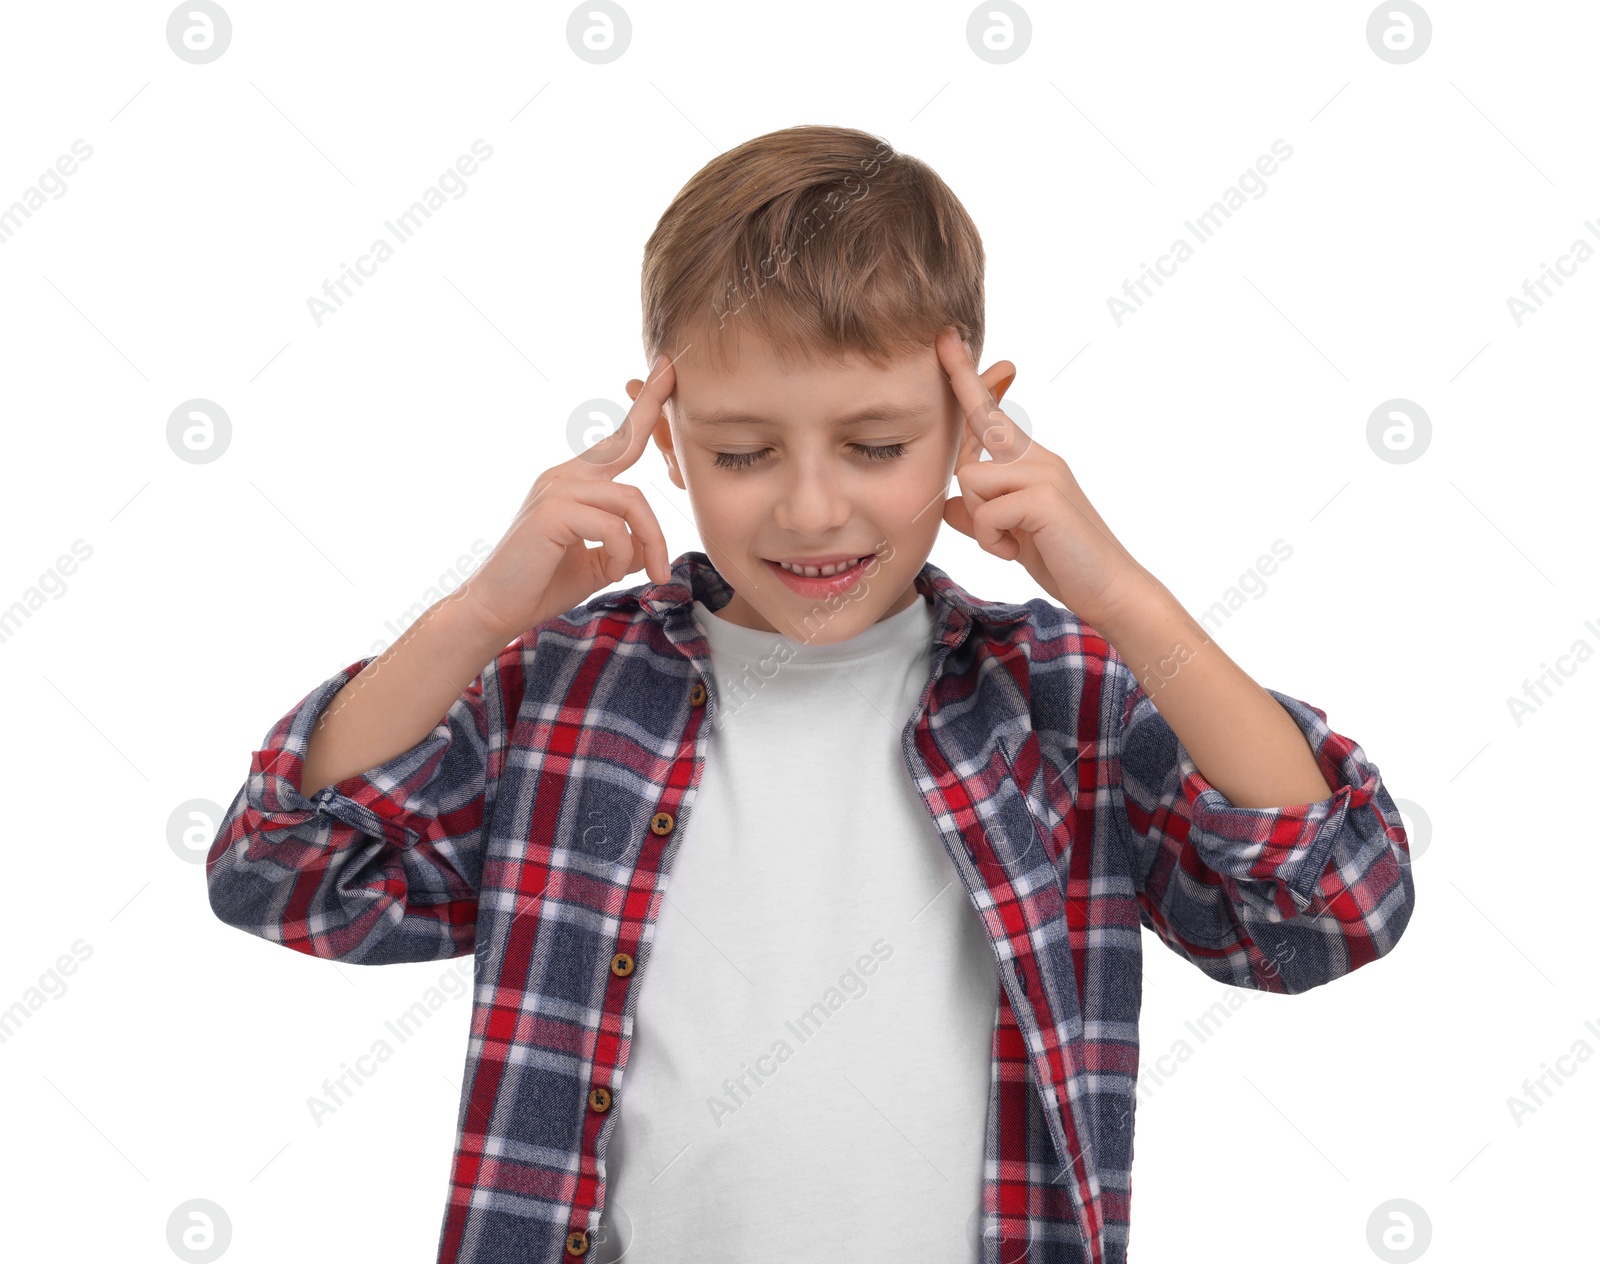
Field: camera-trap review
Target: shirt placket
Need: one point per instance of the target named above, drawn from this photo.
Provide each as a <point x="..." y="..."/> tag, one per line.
<point x="975" y="855"/>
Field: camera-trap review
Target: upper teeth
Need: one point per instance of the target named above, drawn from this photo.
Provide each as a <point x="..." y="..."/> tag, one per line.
<point x="812" y="572"/>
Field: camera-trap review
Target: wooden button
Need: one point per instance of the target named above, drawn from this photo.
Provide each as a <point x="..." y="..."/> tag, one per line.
<point x="577" y="1243"/>
<point x="697" y="695"/>
<point x="599" y="1099"/>
<point x="622" y="965"/>
<point x="661" y="823"/>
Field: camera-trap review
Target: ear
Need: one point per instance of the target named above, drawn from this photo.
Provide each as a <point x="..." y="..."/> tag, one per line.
<point x="663" y="438"/>
<point x="662" y="434"/>
<point x="998" y="378"/>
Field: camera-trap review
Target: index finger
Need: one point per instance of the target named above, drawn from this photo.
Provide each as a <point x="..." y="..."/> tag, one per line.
<point x="623" y="446"/>
<point x="988" y="428"/>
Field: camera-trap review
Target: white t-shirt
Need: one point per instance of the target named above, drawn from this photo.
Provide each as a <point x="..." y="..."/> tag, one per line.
<point x="809" y="1072"/>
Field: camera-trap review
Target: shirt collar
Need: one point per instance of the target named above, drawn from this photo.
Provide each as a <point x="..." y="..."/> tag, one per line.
<point x="694" y="578"/>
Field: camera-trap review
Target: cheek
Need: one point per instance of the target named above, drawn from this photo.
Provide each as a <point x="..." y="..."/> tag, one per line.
<point x="948" y="453"/>
<point x="921" y="477"/>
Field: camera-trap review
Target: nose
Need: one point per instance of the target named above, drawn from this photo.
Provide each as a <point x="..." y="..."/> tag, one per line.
<point x="813" y="503"/>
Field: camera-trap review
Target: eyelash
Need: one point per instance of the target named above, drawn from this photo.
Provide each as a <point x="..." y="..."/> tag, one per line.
<point x="744" y="460"/>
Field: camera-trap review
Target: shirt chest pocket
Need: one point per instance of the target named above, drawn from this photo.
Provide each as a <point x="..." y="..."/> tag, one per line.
<point x="1027" y="827"/>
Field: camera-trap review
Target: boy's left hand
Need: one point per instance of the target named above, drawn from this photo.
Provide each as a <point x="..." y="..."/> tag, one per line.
<point x="1025" y="505"/>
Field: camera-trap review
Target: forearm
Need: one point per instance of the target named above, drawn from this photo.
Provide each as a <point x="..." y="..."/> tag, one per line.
<point x="400" y="696"/>
<point x="1242" y="741"/>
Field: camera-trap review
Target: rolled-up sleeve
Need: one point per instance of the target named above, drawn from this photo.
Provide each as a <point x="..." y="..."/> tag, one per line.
<point x="383" y="866"/>
<point x="1279" y="899"/>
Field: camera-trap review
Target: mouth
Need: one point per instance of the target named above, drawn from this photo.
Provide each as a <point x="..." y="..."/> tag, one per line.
<point x="818" y="579"/>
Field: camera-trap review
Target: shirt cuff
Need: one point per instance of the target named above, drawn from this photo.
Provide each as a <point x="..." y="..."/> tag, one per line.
<point x="1286" y="848"/>
<point x="365" y="801"/>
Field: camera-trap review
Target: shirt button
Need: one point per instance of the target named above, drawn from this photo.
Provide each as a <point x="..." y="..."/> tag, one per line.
<point x="661" y="823"/>
<point x="622" y="965"/>
<point x="599" y="1099"/>
<point x="697" y="695"/>
<point x="577" y="1243"/>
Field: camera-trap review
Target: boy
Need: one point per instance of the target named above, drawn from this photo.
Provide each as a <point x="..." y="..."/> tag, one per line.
<point x="894" y="983"/>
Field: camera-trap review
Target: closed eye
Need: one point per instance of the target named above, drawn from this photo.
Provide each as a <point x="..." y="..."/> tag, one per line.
<point x="744" y="460"/>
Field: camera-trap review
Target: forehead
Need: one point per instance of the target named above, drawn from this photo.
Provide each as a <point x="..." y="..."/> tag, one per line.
<point x="755" y="385"/>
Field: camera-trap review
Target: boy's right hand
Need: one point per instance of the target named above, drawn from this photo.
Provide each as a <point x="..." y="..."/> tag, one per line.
<point x="541" y="567"/>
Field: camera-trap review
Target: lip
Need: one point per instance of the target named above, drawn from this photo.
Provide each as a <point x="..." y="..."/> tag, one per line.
<point x="822" y="585"/>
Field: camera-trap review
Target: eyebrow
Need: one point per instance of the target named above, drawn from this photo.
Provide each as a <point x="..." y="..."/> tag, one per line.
<point x="870" y="412"/>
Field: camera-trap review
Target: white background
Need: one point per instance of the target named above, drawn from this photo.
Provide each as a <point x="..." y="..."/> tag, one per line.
<point x="369" y="454"/>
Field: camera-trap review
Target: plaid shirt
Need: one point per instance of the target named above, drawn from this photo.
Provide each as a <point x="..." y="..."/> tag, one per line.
<point x="536" y="826"/>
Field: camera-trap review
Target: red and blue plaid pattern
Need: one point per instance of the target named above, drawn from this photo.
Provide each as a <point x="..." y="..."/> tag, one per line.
<point x="536" y="826"/>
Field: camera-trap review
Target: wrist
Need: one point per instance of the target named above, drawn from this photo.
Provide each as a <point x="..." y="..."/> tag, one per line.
<point x="1137" y="601"/>
<point x="465" y="617"/>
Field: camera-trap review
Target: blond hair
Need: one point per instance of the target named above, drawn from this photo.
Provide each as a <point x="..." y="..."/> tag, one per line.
<point x="820" y="240"/>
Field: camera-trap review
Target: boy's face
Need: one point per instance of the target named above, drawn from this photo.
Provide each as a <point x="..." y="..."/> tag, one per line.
<point x="818" y="460"/>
